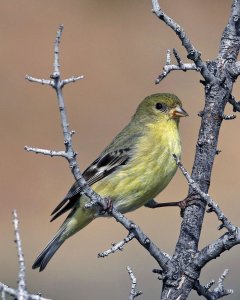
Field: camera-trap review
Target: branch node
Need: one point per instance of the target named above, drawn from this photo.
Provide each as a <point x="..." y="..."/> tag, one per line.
<point x="133" y="226"/>
<point x="147" y="242"/>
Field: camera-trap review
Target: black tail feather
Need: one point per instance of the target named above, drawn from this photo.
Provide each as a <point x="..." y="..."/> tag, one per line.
<point x="45" y="256"/>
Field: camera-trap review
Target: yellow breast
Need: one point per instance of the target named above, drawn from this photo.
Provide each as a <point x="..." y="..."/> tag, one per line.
<point x="148" y="172"/>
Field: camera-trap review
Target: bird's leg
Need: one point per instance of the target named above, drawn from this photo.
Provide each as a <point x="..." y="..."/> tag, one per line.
<point x="181" y="204"/>
<point x="154" y="204"/>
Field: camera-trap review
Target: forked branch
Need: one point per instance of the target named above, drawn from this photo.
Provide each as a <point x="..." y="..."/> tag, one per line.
<point x="225" y="242"/>
<point x="216" y="293"/>
<point x="193" y="53"/>
<point x="173" y="67"/>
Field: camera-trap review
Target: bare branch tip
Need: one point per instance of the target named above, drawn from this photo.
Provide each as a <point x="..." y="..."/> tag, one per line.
<point x="228" y="117"/>
<point x="117" y="246"/>
<point x="133" y="293"/>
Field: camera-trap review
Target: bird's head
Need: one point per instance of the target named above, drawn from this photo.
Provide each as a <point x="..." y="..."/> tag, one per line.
<point x="158" y="107"/>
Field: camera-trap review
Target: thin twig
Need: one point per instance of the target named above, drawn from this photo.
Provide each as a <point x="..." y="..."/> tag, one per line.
<point x="235" y="103"/>
<point x="38" y="80"/>
<point x="46" y="152"/>
<point x="209" y="284"/>
<point x="117" y="246"/>
<point x="228" y="117"/>
<point x="179" y="61"/>
<point x="72" y="79"/>
<point x="133" y="293"/>
<point x="21" y="274"/>
<point x="172" y="67"/>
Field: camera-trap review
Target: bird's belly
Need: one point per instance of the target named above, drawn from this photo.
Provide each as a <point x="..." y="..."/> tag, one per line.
<point x="137" y="183"/>
<point x="147" y="173"/>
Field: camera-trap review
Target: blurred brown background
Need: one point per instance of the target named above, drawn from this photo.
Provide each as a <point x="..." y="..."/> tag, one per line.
<point x="120" y="46"/>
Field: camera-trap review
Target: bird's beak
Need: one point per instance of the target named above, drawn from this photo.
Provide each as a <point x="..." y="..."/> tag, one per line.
<point x="178" y="112"/>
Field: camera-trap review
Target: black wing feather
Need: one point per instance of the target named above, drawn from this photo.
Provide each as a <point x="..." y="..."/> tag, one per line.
<point x="99" y="169"/>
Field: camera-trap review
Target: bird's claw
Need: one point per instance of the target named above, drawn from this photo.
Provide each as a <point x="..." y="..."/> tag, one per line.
<point x="187" y="202"/>
<point x="108" y="206"/>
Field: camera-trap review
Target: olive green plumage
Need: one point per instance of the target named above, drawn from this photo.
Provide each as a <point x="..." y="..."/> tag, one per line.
<point x="135" y="167"/>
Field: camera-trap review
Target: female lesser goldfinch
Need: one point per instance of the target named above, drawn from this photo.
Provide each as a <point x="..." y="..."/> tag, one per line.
<point x="135" y="167"/>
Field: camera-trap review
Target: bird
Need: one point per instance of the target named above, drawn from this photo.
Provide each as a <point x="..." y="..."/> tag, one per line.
<point x="134" y="168"/>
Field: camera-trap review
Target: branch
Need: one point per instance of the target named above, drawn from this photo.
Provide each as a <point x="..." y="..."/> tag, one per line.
<point x="216" y="248"/>
<point x="133" y="293"/>
<point x="193" y="54"/>
<point x="171" y="67"/>
<point x="41" y="81"/>
<point x="46" y="152"/>
<point x="225" y="242"/>
<point x="213" y="206"/>
<point x="72" y="80"/>
<point x="117" y="246"/>
<point x="21" y="292"/>
<point x="235" y="104"/>
<point x="21" y="274"/>
<point x="95" y="199"/>
<point x="217" y="293"/>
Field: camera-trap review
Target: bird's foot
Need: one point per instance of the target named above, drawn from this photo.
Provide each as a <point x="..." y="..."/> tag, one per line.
<point x="108" y="206"/>
<point x="188" y="202"/>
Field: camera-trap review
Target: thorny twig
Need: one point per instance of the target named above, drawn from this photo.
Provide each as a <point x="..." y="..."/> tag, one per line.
<point x="172" y="67"/>
<point x="21" y="292"/>
<point x="216" y="293"/>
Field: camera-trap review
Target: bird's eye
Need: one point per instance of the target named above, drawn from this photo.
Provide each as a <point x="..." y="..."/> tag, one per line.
<point x="160" y="106"/>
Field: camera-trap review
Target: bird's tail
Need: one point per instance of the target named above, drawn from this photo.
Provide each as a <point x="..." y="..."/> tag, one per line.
<point x="47" y="253"/>
<point x="76" y="220"/>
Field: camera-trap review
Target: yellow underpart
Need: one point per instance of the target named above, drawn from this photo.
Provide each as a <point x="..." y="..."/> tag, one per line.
<point x="149" y="170"/>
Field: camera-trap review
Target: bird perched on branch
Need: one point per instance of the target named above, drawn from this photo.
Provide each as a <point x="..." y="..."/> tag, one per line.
<point x="136" y="166"/>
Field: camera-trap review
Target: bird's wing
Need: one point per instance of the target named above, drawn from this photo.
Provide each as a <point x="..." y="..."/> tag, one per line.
<point x="103" y="166"/>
